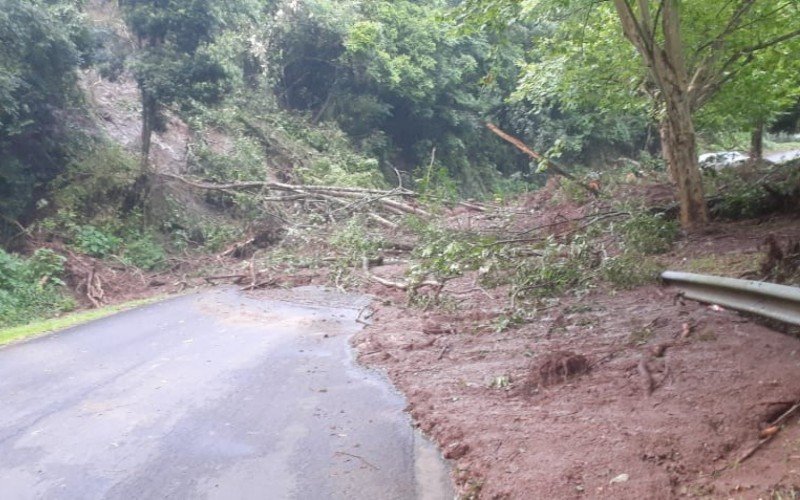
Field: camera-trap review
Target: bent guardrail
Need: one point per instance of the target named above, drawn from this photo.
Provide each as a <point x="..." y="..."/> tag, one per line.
<point x="779" y="302"/>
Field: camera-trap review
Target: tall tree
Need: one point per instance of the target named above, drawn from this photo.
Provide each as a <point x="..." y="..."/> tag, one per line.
<point x="40" y="49"/>
<point x="688" y="77"/>
<point x="690" y="49"/>
<point x="171" y="63"/>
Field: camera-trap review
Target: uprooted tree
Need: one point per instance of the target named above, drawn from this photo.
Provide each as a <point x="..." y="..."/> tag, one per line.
<point x="691" y="50"/>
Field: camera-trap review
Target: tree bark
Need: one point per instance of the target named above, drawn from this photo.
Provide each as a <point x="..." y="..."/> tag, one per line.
<point x="757" y="143"/>
<point x="680" y="150"/>
<point x="666" y="138"/>
<point x="148" y="112"/>
<point x="144" y="183"/>
<point x="667" y="67"/>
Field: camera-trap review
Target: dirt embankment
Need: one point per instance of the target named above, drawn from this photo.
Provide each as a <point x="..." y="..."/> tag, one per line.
<point x="631" y="394"/>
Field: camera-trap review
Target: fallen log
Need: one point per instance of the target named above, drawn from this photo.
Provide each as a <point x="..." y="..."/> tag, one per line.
<point x="236" y="247"/>
<point x="400" y="285"/>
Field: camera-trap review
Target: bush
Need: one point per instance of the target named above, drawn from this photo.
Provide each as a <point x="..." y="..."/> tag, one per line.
<point x="95" y="242"/>
<point x="741" y="201"/>
<point x="144" y="252"/>
<point x="355" y="242"/>
<point x="97" y="182"/>
<point x="630" y="270"/>
<point x="31" y="288"/>
<point x="649" y="234"/>
<point x="559" y="267"/>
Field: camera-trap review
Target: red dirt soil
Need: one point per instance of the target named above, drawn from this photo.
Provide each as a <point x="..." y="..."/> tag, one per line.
<point x="519" y="421"/>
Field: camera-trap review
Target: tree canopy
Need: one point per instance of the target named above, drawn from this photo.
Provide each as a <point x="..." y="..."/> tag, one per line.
<point x="690" y="53"/>
<point x="42" y="46"/>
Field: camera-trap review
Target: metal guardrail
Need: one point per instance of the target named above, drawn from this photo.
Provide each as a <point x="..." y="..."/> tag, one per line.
<point x="779" y="302"/>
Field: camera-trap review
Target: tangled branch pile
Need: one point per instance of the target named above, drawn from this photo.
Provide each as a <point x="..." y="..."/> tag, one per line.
<point x="330" y="202"/>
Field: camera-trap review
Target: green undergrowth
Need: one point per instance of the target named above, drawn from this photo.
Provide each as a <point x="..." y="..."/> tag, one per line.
<point x="753" y="191"/>
<point x="731" y="264"/>
<point x="248" y="137"/>
<point x="620" y="253"/>
<point x="32" y="287"/>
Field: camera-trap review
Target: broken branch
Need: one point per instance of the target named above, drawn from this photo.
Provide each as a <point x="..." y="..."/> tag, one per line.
<point x="557" y="168"/>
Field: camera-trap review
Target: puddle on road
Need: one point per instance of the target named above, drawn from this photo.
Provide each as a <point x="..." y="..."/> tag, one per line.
<point x="430" y="470"/>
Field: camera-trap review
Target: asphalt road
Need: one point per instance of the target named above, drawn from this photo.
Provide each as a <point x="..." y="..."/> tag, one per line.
<point x="783" y="157"/>
<point x="209" y="396"/>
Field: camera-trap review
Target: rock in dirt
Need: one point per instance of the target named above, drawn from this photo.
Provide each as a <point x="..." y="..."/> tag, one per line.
<point x="456" y="451"/>
<point x="622" y="478"/>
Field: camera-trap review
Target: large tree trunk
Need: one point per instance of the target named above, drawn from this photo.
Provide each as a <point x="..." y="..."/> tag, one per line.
<point x="144" y="183"/>
<point x="757" y="143"/>
<point x="665" y="133"/>
<point x="148" y="112"/>
<point x="679" y="143"/>
<point x="667" y="67"/>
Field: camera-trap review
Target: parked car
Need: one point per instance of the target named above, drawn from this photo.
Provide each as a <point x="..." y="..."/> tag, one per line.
<point x="723" y="159"/>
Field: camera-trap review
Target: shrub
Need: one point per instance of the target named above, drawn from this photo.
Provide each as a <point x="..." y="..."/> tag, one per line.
<point x="95" y="242"/>
<point x="630" y="270"/>
<point x="741" y="201"/>
<point x="144" y="252"/>
<point x="559" y="267"/>
<point x="31" y="288"/>
<point x="649" y="234"/>
<point x="355" y="242"/>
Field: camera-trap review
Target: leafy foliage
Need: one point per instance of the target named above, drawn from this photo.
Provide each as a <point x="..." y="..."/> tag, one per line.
<point x="355" y="242"/>
<point x="649" y="234"/>
<point x="31" y="288"/>
<point x="398" y="80"/>
<point x="94" y="242"/>
<point x="40" y="50"/>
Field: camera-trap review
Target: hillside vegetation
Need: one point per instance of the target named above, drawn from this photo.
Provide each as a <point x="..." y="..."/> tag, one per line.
<point x="149" y="145"/>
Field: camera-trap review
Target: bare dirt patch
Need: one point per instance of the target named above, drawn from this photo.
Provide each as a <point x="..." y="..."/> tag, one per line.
<point x="613" y="394"/>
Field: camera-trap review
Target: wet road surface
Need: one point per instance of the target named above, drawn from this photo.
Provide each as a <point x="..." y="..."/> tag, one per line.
<point x="783" y="157"/>
<point x="215" y="395"/>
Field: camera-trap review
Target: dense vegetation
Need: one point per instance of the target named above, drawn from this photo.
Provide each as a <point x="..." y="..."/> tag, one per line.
<point x="356" y="93"/>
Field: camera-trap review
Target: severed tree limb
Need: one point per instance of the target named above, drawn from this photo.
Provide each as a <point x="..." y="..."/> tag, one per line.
<point x="281" y="186"/>
<point x="400" y="285"/>
<point x="236" y="277"/>
<point x="259" y="285"/>
<point x="377" y="218"/>
<point x="773" y="429"/>
<point x="647" y="378"/>
<point x="472" y="206"/>
<point x="327" y="193"/>
<point x="235" y="247"/>
<point x="557" y="168"/>
<point x="391" y="205"/>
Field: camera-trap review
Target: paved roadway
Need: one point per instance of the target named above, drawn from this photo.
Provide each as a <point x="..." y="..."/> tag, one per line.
<point x="214" y="395"/>
<point x="782" y="157"/>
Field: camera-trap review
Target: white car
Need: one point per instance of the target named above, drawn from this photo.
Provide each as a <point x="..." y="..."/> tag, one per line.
<point x="722" y="159"/>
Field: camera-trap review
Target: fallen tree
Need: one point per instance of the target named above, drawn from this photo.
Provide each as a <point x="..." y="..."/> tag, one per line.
<point x="395" y="201"/>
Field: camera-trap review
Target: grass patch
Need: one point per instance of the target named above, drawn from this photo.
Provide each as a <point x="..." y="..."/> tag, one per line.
<point x="42" y="327"/>
<point x="732" y="265"/>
